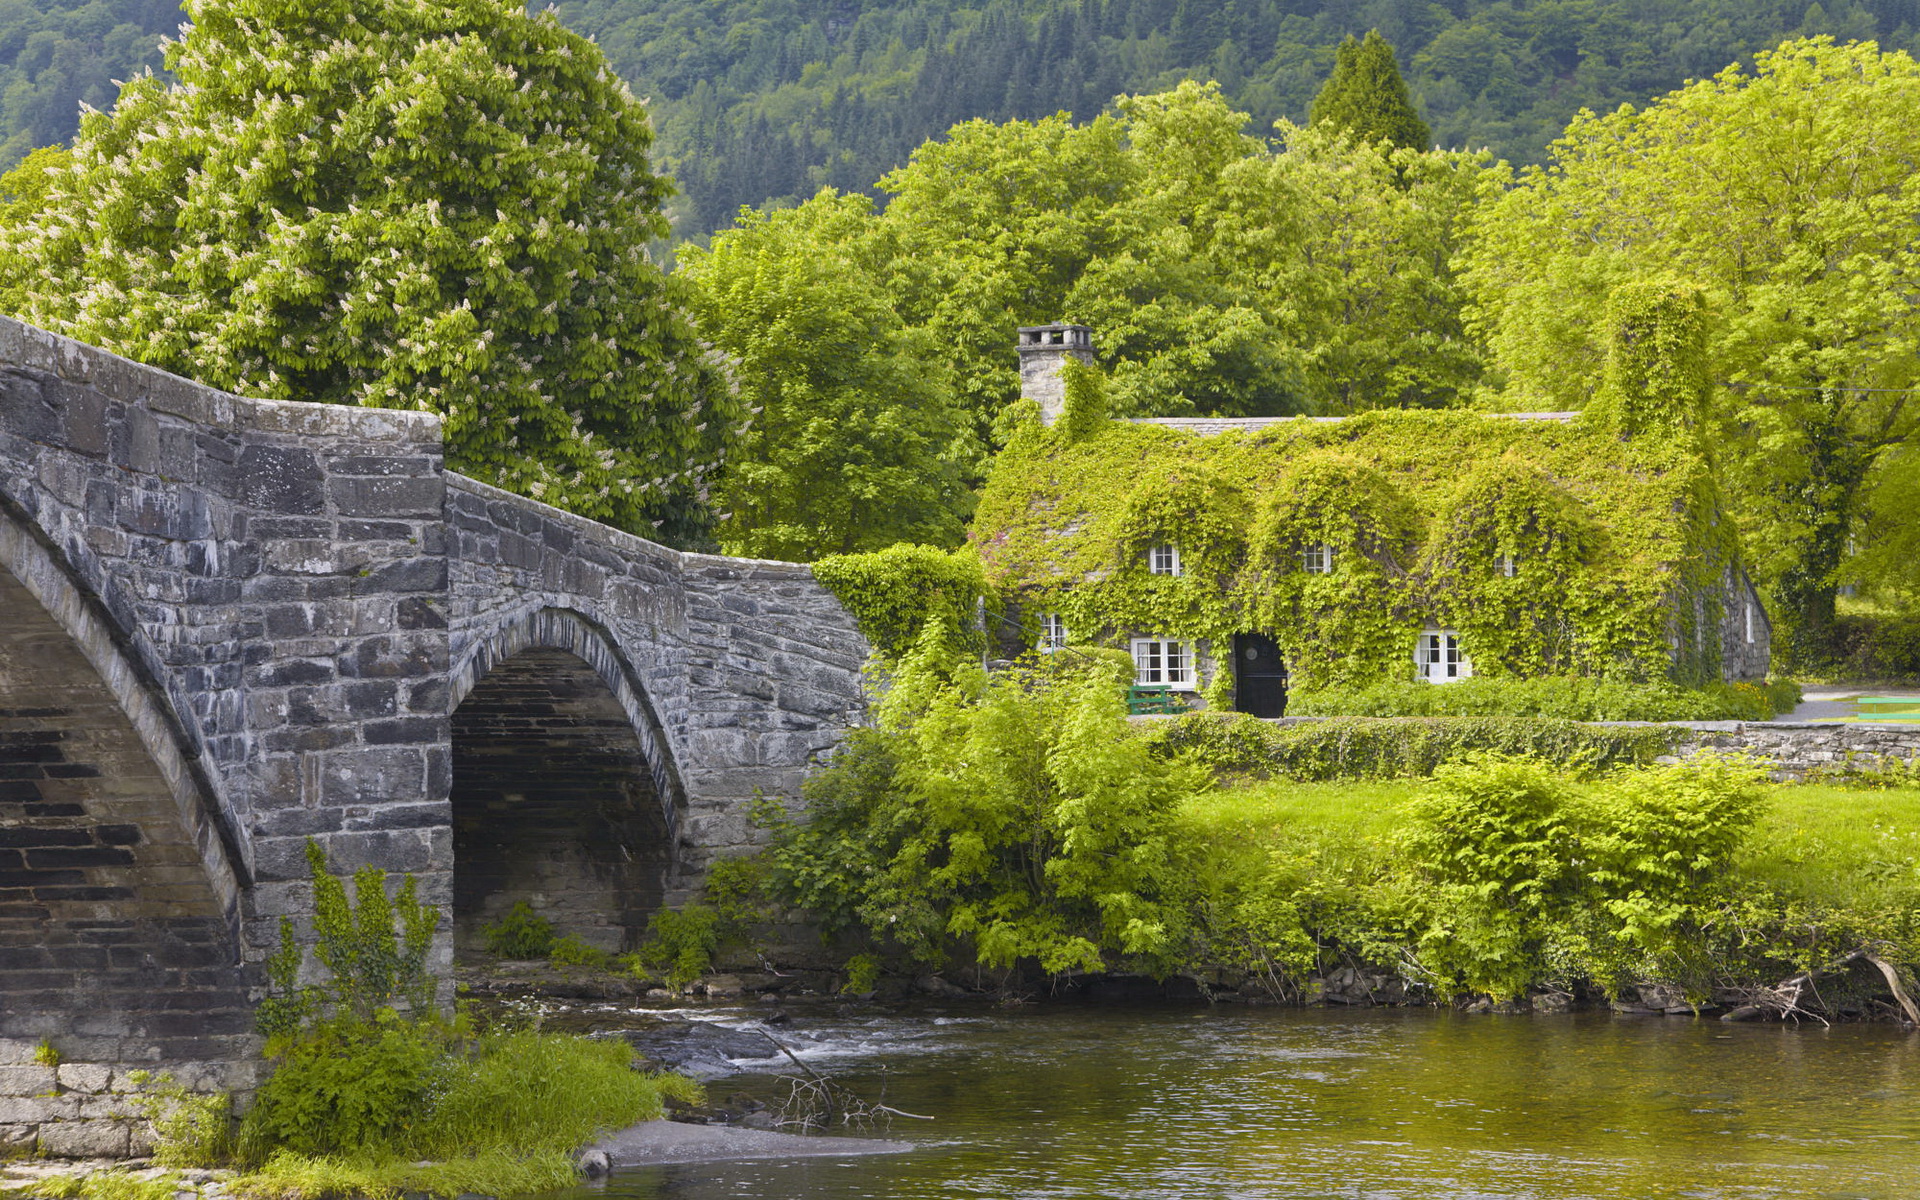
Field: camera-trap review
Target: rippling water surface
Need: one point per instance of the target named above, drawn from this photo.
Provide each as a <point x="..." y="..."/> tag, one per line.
<point x="1375" y="1104"/>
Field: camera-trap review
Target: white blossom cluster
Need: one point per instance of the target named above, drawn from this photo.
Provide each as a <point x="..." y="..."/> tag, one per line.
<point x="431" y="204"/>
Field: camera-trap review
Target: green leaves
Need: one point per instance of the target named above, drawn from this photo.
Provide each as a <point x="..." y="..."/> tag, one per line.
<point x="1366" y="98"/>
<point x="1785" y="195"/>
<point x="1532" y="871"/>
<point x="856" y="440"/>
<point x="1002" y="819"/>
<point x="441" y="206"/>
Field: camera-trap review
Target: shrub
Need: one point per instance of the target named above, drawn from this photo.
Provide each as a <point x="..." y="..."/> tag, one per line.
<point x="189" y="1130"/>
<point x="1233" y="744"/>
<point x="1877" y="647"/>
<point x="681" y="942"/>
<point x="1007" y="817"/>
<point x="1568" y="698"/>
<point x="346" y="1088"/>
<point x="570" y="951"/>
<point x="521" y="934"/>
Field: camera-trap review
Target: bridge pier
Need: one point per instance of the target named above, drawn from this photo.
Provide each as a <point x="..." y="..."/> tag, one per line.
<point x="228" y="626"/>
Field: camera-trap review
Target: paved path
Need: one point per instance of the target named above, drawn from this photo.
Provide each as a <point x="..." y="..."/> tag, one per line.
<point x="1829" y="703"/>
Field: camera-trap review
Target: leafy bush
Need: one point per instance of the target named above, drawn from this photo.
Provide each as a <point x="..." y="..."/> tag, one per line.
<point x="570" y="951"/>
<point x="894" y="593"/>
<point x="1568" y="698"/>
<point x="1234" y="744"/>
<point x="999" y="818"/>
<point x="682" y="942"/>
<point x="362" y="1089"/>
<point x="189" y="1129"/>
<point x="1877" y="647"/>
<point x="346" y="1088"/>
<point x="521" y="934"/>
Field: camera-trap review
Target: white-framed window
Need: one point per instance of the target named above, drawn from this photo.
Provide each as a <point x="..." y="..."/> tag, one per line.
<point x="1438" y="657"/>
<point x="1506" y="566"/>
<point x="1317" y="559"/>
<point x="1748" y="607"/>
<point x="1053" y="632"/>
<point x="1164" y="560"/>
<point x="1162" y="662"/>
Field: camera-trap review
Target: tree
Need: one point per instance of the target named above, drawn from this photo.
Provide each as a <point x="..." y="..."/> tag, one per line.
<point x="431" y="204"/>
<point x="1366" y="97"/>
<point x="1221" y="277"/>
<point x="1786" y="195"/>
<point x="856" y="441"/>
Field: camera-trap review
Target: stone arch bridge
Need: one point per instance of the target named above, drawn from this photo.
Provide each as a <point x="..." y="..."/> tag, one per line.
<point x="229" y="625"/>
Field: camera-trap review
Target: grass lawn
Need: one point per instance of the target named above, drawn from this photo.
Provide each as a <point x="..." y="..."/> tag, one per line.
<point x="1827" y="845"/>
<point x="1836" y="845"/>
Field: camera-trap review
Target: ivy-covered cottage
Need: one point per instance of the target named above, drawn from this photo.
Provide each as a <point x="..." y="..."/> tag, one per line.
<point x="1238" y="557"/>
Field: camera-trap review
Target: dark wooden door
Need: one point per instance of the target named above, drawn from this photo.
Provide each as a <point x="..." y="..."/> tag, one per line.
<point x="1259" y="676"/>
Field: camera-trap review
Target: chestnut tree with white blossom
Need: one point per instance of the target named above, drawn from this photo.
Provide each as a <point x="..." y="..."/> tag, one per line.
<point x="441" y="205"/>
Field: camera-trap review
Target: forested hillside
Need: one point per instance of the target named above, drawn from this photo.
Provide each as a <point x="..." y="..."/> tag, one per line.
<point x="56" y="55"/>
<point x="770" y="99"/>
<point x="763" y="100"/>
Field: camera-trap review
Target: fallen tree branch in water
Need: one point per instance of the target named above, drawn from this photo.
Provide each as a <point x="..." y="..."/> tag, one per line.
<point x="1783" y="999"/>
<point x="815" y="1100"/>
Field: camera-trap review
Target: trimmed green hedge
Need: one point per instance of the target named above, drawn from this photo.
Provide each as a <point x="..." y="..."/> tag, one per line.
<point x="1566" y="698"/>
<point x="1395" y="747"/>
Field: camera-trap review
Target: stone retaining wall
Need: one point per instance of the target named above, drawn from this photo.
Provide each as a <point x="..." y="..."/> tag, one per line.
<point x="1799" y="747"/>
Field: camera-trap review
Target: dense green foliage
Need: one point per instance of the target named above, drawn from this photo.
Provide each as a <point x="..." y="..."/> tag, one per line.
<point x="56" y="55"/>
<point x="1235" y="746"/>
<point x="1221" y="272"/>
<point x="764" y="100"/>
<point x="443" y="206"/>
<point x="855" y="439"/>
<point x="362" y="1091"/>
<point x="1565" y="698"/>
<point x="1007" y="818"/>
<point x="1418" y="510"/>
<point x="1020" y="822"/>
<point x="1784" y="194"/>
<point x="521" y="933"/>
<point x="896" y="594"/>
<point x="1366" y="98"/>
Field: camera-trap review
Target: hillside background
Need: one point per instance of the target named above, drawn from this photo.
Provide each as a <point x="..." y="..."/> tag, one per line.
<point x="768" y="100"/>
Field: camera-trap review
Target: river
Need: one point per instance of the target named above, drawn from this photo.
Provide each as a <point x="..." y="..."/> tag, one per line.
<point x="1329" y="1104"/>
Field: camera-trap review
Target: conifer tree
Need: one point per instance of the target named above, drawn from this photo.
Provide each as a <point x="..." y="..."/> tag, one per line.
<point x="431" y="204"/>
<point x="1366" y="97"/>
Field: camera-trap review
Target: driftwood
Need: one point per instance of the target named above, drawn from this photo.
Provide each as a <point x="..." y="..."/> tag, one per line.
<point x="1784" y="999"/>
<point x="813" y="1100"/>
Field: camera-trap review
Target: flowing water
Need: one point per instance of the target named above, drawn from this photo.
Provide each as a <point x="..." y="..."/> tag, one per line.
<point x="1343" y="1105"/>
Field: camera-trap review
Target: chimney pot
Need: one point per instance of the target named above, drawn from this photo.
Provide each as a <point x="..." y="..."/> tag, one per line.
<point x="1044" y="349"/>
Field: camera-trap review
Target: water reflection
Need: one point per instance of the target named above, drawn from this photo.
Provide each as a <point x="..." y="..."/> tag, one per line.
<point x="1369" y="1105"/>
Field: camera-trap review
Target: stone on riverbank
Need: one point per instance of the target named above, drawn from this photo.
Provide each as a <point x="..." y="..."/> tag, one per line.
<point x="654" y="1142"/>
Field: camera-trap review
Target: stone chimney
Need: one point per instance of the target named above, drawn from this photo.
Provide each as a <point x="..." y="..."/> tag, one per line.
<point x="1043" y="350"/>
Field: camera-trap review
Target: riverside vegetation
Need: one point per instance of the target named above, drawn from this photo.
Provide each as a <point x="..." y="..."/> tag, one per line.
<point x="1019" y="823"/>
<point x="376" y="1091"/>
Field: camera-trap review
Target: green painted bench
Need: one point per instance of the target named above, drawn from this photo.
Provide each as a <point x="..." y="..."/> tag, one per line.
<point x="1154" y="701"/>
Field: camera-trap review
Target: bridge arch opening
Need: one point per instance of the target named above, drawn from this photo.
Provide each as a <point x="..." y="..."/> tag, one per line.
<point x="119" y="917"/>
<point x="559" y="794"/>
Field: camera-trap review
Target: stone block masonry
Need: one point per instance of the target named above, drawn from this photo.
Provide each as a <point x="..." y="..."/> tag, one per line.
<point x="229" y="625"/>
<point x="1796" y="747"/>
